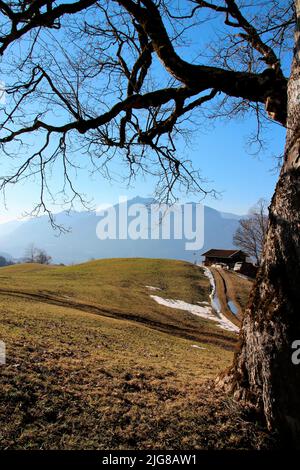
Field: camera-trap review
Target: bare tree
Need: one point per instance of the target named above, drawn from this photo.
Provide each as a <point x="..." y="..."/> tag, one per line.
<point x="36" y="255"/>
<point x="42" y="257"/>
<point x="250" y="234"/>
<point x="3" y="261"/>
<point x="96" y="80"/>
<point x="30" y="254"/>
<point x="99" y="74"/>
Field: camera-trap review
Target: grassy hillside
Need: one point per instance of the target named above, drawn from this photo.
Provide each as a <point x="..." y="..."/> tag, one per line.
<point x="117" y="288"/>
<point x="94" y="362"/>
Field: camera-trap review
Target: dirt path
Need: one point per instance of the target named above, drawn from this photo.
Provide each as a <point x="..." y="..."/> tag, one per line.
<point x="238" y="288"/>
<point x="228" y="290"/>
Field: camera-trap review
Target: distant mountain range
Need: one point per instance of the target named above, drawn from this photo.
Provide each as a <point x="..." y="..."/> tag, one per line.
<point x="81" y="242"/>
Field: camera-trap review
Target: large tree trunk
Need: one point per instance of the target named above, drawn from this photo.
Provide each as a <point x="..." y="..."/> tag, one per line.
<point x="263" y="372"/>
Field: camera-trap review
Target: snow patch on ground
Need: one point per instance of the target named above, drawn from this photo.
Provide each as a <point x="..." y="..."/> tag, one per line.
<point x="203" y="309"/>
<point x="203" y="312"/>
<point x="196" y="346"/>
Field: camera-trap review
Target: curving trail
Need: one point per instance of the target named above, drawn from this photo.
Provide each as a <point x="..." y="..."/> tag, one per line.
<point x="227" y="295"/>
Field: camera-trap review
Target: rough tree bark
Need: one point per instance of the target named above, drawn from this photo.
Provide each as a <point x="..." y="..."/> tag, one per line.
<point x="263" y="372"/>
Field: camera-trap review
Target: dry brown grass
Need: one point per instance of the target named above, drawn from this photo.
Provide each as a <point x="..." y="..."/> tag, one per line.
<point x="79" y="380"/>
<point x="238" y="288"/>
<point x="117" y="288"/>
<point x="75" y="380"/>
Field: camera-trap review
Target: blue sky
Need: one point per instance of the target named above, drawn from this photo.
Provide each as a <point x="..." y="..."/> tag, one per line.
<point x="220" y="152"/>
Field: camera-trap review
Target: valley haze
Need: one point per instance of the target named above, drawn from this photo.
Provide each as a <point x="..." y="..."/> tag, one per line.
<point x="80" y="243"/>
